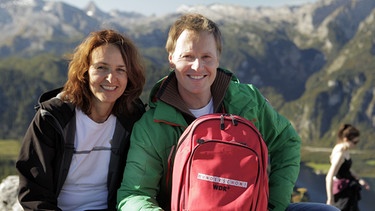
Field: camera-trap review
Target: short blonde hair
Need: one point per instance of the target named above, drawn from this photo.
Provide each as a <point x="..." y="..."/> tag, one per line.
<point x="196" y="23"/>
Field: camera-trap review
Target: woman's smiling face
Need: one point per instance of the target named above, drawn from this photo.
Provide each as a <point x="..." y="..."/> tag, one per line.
<point x="107" y="74"/>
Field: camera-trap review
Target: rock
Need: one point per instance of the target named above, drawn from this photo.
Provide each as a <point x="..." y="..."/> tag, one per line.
<point x="8" y="194"/>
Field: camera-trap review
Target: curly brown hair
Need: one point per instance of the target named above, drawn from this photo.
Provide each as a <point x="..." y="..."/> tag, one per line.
<point x="76" y="89"/>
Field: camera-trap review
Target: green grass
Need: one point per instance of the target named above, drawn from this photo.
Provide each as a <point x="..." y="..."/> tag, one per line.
<point x="318" y="159"/>
<point x="8" y="154"/>
<point x="321" y="168"/>
<point x="9" y="149"/>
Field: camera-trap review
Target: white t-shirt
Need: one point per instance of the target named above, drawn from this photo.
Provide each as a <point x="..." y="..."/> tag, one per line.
<point x="208" y="109"/>
<point x="86" y="184"/>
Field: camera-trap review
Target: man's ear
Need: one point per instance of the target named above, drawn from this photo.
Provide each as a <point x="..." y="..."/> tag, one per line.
<point x="171" y="64"/>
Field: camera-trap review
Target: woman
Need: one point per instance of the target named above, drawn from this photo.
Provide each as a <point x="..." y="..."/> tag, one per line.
<point x="347" y="197"/>
<point x="73" y="153"/>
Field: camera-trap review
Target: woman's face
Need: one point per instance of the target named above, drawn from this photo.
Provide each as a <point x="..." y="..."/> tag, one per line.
<point x="107" y="74"/>
<point x="195" y="60"/>
<point x="354" y="142"/>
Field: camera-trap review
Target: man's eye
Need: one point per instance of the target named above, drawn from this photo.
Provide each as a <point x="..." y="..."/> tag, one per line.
<point x="188" y="57"/>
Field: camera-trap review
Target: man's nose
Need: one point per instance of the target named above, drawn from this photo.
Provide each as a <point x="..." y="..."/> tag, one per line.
<point x="197" y="63"/>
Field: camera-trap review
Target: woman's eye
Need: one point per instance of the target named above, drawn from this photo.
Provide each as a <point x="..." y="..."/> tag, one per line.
<point x="101" y="68"/>
<point x="207" y="58"/>
<point x="121" y="70"/>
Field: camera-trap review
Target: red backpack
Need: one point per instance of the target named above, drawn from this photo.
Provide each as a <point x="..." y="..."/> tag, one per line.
<point x="220" y="163"/>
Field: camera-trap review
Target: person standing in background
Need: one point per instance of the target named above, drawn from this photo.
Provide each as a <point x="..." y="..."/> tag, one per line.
<point x="73" y="153"/>
<point x="343" y="186"/>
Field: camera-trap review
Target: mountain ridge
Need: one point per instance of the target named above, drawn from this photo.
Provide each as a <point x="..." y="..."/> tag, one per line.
<point x="308" y="60"/>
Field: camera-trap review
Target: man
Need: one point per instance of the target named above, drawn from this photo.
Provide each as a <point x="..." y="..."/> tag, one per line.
<point x="195" y="87"/>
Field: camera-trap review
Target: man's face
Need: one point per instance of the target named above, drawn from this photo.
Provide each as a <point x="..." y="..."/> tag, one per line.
<point x="195" y="60"/>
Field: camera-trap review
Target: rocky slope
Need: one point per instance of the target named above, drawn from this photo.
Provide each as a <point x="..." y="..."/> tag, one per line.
<point x="8" y="194"/>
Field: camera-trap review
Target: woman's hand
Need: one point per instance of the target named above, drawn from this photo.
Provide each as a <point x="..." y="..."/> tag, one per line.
<point x="330" y="201"/>
<point x="364" y="184"/>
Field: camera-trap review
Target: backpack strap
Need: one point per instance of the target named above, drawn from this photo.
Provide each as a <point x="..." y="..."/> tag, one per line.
<point x="65" y="126"/>
<point x="170" y="167"/>
<point x="63" y="121"/>
<point x="119" y="148"/>
<point x="68" y="152"/>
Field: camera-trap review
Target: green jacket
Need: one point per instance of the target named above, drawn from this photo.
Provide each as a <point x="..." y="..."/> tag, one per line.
<point x="157" y="132"/>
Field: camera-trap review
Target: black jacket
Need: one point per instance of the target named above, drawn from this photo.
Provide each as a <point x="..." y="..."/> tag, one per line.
<point x="47" y="150"/>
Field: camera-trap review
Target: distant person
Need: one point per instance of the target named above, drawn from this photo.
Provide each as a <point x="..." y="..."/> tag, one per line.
<point x="73" y="153"/>
<point x="348" y="196"/>
<point x="197" y="86"/>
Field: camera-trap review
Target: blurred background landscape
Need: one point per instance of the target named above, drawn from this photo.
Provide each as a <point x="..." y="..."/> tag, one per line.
<point x="314" y="62"/>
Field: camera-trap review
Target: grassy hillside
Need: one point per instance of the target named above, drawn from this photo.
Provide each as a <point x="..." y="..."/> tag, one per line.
<point x="318" y="159"/>
<point x="8" y="155"/>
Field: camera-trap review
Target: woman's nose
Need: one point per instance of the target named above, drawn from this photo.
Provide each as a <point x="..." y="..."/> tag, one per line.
<point x="110" y="76"/>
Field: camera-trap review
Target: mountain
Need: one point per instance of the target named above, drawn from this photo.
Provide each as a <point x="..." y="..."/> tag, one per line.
<point x="314" y="62"/>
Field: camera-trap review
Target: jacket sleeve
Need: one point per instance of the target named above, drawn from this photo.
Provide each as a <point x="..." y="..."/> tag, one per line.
<point x="284" y="154"/>
<point x="36" y="167"/>
<point x="143" y="172"/>
<point x="282" y="140"/>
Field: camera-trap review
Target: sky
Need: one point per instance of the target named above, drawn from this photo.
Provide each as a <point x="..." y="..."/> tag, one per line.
<point x="161" y="7"/>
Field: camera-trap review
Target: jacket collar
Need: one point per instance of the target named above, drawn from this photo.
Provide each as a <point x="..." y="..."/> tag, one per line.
<point x="168" y="91"/>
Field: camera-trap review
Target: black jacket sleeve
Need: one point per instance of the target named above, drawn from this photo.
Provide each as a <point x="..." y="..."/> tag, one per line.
<point x="38" y="164"/>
